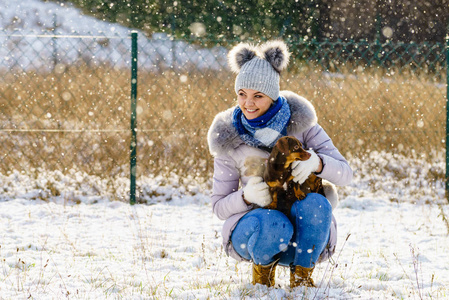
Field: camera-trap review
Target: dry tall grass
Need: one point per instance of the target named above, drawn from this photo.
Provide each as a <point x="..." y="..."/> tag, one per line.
<point x="73" y="117"/>
<point x="79" y="117"/>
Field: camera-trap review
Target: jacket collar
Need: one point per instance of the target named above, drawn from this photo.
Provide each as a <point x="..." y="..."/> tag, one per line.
<point x="223" y="138"/>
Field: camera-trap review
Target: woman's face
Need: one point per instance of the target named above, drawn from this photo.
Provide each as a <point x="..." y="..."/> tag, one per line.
<point x="253" y="103"/>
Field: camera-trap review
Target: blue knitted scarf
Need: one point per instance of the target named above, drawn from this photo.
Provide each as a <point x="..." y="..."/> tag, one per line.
<point x="265" y="130"/>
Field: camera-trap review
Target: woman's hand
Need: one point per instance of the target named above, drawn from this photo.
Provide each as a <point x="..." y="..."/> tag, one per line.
<point x="257" y="191"/>
<point x="302" y="169"/>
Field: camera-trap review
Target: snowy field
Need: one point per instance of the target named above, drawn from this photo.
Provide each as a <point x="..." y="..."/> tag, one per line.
<point x="112" y="250"/>
<point x="393" y="240"/>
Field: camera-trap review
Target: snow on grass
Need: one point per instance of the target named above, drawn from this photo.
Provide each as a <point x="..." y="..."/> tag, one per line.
<point x="109" y="250"/>
<point x="170" y="247"/>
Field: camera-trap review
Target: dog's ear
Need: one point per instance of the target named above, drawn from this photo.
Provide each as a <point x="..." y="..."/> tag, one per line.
<point x="283" y="145"/>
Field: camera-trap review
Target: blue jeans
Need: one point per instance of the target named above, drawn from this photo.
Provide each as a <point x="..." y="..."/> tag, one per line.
<point x="265" y="235"/>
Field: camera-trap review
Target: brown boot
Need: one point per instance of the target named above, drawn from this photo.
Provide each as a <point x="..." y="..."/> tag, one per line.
<point x="264" y="274"/>
<point x="300" y="276"/>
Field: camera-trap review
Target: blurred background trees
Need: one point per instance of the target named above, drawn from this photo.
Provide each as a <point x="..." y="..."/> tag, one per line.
<point x="393" y="20"/>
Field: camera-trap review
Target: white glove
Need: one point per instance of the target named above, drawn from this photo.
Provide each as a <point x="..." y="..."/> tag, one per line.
<point x="257" y="191"/>
<point x="302" y="169"/>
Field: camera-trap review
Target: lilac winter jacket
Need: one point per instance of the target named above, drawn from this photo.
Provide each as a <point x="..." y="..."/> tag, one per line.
<point x="235" y="162"/>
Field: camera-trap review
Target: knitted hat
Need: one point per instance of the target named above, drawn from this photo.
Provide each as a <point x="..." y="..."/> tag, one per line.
<point x="259" y="67"/>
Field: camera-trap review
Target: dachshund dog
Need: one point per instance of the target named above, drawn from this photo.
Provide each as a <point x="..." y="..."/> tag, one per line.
<point x="284" y="191"/>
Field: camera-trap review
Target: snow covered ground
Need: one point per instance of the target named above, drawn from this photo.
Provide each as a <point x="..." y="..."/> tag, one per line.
<point x="173" y="251"/>
<point x="393" y="240"/>
<point x="62" y="237"/>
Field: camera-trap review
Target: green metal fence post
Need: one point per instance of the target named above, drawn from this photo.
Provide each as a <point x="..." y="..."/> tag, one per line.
<point x="447" y="114"/>
<point x="133" y="144"/>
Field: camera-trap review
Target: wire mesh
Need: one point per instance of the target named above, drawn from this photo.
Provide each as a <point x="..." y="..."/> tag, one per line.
<point x="65" y="100"/>
<point x="64" y="103"/>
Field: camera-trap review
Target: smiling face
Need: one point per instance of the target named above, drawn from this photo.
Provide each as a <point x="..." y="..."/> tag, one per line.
<point x="253" y="103"/>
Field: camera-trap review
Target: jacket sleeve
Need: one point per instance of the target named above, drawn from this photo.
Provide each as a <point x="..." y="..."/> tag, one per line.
<point x="226" y="197"/>
<point x="335" y="167"/>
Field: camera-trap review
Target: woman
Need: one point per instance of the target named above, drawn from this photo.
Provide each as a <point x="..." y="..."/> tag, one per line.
<point x="241" y="139"/>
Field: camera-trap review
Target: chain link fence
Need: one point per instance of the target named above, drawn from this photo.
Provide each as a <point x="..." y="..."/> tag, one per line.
<point x="65" y="100"/>
<point x="64" y="103"/>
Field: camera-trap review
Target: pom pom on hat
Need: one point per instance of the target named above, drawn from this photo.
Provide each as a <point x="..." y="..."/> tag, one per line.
<point x="258" y="68"/>
<point x="240" y="55"/>
<point x="276" y="53"/>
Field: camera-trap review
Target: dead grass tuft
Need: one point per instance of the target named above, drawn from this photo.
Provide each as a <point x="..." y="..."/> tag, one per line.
<point x="78" y="117"/>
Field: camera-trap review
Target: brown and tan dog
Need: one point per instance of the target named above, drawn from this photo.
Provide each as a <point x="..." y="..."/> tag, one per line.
<point x="284" y="191"/>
